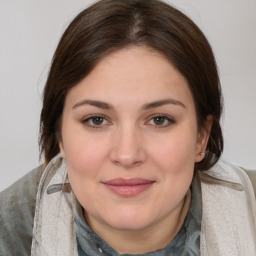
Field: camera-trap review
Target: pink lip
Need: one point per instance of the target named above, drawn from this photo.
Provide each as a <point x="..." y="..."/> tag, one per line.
<point x="128" y="187"/>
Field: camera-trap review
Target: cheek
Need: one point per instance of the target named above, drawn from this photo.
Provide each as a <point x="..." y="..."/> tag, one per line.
<point x="84" y="154"/>
<point x="175" y="151"/>
<point x="84" y="162"/>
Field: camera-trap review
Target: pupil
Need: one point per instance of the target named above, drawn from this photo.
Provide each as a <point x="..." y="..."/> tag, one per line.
<point x="159" y="120"/>
<point x="97" y="120"/>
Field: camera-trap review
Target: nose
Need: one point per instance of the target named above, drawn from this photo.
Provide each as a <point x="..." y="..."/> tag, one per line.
<point x="128" y="149"/>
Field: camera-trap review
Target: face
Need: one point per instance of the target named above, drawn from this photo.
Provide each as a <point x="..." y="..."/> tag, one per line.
<point x="130" y="140"/>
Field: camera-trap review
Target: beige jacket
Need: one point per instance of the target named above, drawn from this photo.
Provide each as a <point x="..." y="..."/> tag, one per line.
<point x="229" y="216"/>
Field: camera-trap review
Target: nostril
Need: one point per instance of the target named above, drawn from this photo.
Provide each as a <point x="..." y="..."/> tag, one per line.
<point x="128" y="161"/>
<point x="127" y="149"/>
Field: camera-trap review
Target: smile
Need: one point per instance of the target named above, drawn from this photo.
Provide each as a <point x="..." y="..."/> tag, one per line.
<point x="128" y="187"/>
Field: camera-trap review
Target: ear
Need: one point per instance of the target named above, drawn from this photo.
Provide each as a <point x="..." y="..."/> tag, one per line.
<point x="202" y="139"/>
<point x="62" y="151"/>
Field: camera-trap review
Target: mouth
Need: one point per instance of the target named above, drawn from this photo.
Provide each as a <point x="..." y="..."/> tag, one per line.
<point x="128" y="187"/>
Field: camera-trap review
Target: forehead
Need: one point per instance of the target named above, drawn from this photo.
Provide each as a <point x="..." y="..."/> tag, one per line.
<point x="132" y="74"/>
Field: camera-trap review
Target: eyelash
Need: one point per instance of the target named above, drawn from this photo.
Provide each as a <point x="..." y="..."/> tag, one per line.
<point x="90" y="118"/>
<point x="166" y="118"/>
<point x="104" y="119"/>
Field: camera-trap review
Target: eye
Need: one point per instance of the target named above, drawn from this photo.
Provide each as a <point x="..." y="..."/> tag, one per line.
<point x="95" y="121"/>
<point x="160" y="121"/>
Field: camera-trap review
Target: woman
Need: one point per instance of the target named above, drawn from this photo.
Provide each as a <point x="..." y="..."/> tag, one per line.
<point x="131" y="138"/>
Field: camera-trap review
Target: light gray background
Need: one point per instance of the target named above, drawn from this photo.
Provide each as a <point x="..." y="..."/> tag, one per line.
<point x="30" y="30"/>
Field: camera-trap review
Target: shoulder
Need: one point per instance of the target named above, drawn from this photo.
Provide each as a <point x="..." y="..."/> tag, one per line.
<point x="233" y="186"/>
<point x="252" y="175"/>
<point x="17" y="207"/>
<point x="229" y="210"/>
<point x="227" y="171"/>
<point x="22" y="190"/>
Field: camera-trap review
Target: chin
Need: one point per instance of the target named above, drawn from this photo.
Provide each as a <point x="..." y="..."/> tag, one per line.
<point x="129" y="220"/>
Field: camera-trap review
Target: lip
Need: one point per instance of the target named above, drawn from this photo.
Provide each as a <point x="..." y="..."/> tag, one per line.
<point x="128" y="187"/>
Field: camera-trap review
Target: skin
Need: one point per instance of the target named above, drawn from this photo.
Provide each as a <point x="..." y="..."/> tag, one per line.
<point x="130" y="137"/>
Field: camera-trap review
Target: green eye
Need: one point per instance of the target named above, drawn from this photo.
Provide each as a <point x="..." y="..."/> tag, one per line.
<point x="159" y="120"/>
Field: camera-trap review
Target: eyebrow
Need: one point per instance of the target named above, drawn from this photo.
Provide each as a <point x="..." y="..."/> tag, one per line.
<point x="96" y="103"/>
<point x="160" y="103"/>
<point x="154" y="104"/>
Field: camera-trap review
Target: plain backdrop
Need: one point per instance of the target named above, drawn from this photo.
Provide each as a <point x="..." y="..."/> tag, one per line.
<point x="29" y="33"/>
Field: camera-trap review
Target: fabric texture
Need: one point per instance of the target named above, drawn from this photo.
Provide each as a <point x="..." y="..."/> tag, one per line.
<point x="252" y="175"/>
<point x="53" y="231"/>
<point x="229" y="216"/>
<point x="17" y="207"/>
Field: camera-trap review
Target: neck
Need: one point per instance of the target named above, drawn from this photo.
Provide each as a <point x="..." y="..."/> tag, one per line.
<point x="152" y="238"/>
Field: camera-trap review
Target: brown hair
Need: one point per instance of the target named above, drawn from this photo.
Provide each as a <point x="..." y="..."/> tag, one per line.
<point x="109" y="25"/>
